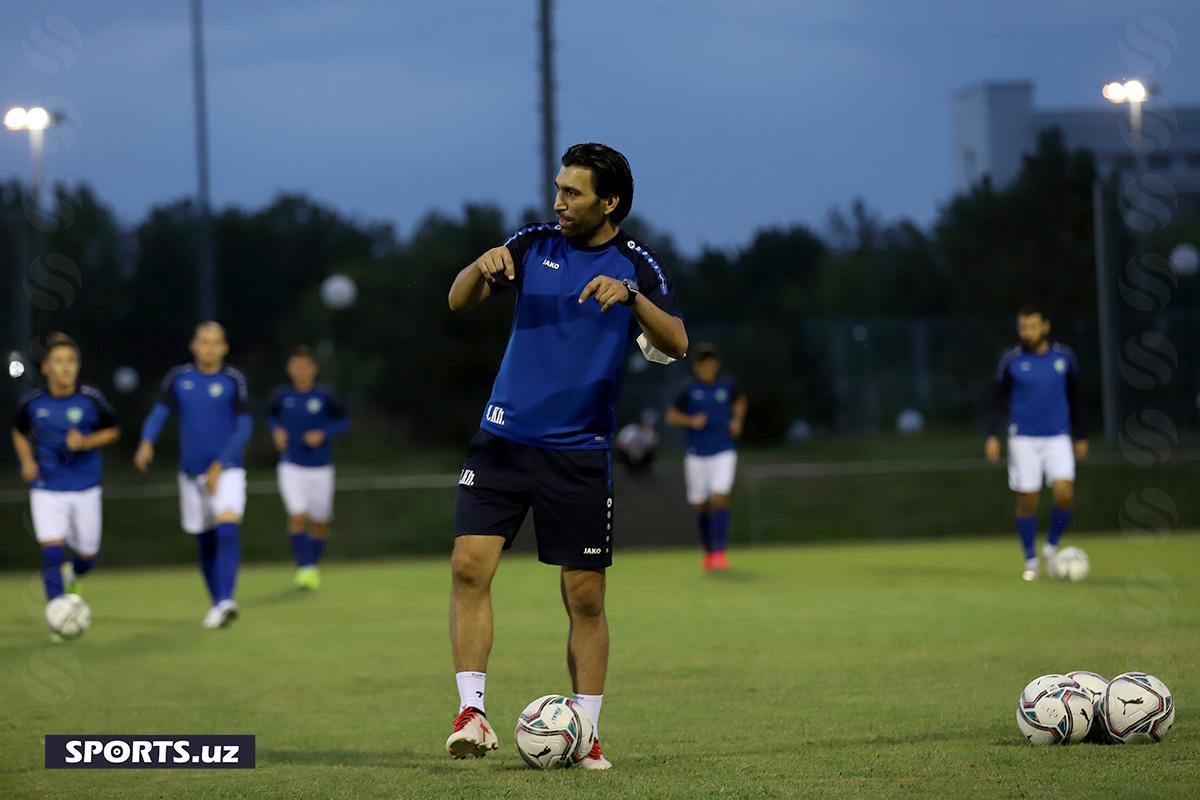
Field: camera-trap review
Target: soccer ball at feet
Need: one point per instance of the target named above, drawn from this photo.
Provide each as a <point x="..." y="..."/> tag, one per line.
<point x="68" y="615"/>
<point x="554" y="731"/>
<point x="1071" y="564"/>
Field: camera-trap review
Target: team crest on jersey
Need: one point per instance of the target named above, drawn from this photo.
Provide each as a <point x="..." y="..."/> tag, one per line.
<point x="1060" y="366"/>
<point x="75" y="415"/>
<point x="722" y="395"/>
<point x="215" y="390"/>
<point x="313" y="405"/>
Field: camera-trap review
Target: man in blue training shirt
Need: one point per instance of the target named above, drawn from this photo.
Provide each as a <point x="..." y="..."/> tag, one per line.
<point x="1039" y="381"/>
<point x="713" y="409"/>
<point x="583" y="288"/>
<point x="57" y="434"/>
<point x="214" y="426"/>
<point x="303" y="416"/>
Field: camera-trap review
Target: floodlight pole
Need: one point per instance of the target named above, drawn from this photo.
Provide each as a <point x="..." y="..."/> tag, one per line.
<point x="1104" y="307"/>
<point x="549" y="154"/>
<point x="205" y="269"/>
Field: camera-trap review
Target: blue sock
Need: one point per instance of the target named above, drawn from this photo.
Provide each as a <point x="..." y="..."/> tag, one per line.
<point x="207" y="543"/>
<point x="704" y="523"/>
<point x="83" y="565"/>
<point x="720" y="530"/>
<point x="52" y="561"/>
<point x="316" y="547"/>
<point x="300" y="548"/>
<point x="1027" y="527"/>
<point x="229" y="556"/>
<point x="1059" y="520"/>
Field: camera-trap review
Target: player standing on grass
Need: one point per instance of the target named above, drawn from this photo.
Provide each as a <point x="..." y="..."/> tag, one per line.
<point x="713" y="410"/>
<point x="57" y="435"/>
<point x="1038" y="380"/>
<point x="214" y="425"/>
<point x="304" y="416"/>
<point x="583" y="288"/>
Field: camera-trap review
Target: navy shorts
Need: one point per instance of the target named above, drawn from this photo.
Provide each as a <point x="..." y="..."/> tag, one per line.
<point x="570" y="492"/>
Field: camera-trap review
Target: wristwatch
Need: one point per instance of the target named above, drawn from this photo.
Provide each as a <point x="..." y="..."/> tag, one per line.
<point x="633" y="292"/>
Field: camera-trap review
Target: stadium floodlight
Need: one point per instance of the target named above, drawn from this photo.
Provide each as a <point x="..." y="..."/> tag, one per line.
<point x="1135" y="91"/>
<point x="37" y="119"/>
<point x="1114" y="92"/>
<point x="14" y="120"/>
<point x="1131" y="91"/>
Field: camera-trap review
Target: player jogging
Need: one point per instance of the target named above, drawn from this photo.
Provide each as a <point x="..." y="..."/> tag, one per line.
<point x="57" y="434"/>
<point x="214" y="425"/>
<point x="583" y="288"/>
<point x="1038" y="380"/>
<point x="713" y="409"/>
<point x="304" y="416"/>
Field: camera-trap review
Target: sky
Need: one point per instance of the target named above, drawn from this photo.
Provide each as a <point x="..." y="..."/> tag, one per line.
<point x="735" y="114"/>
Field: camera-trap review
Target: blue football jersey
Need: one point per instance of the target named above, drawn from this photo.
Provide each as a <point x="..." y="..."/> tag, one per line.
<point x="213" y="416"/>
<point x="558" y="382"/>
<point x="300" y="412"/>
<point x="1041" y="391"/>
<point x="716" y="401"/>
<point x="45" y="420"/>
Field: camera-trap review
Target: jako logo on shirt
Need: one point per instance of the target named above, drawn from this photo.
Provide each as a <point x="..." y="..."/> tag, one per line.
<point x="467" y="478"/>
<point x="1025" y="366"/>
<point x="215" y="389"/>
<point x="551" y="264"/>
<point x="313" y="405"/>
<point x="75" y="415"/>
<point x="495" y="415"/>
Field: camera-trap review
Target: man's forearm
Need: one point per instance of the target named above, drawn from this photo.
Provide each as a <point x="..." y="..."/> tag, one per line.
<point x="22" y="446"/>
<point x="101" y="438"/>
<point x="468" y="290"/>
<point x="663" y="331"/>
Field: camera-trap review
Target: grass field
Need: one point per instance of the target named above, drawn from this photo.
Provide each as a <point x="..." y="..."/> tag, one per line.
<point x="847" y="672"/>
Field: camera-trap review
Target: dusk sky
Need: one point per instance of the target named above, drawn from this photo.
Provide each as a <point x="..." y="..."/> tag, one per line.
<point x="735" y="115"/>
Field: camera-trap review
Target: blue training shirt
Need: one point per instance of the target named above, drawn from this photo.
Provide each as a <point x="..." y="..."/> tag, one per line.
<point x="214" y="422"/>
<point x="1041" y="390"/>
<point x="558" y="382"/>
<point x="715" y="400"/>
<point x="45" y="420"/>
<point x="299" y="412"/>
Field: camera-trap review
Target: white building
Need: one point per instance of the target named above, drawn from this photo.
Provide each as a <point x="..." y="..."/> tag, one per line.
<point x="995" y="124"/>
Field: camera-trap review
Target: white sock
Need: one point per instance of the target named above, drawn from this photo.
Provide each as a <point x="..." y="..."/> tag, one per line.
<point x="1049" y="551"/>
<point x="470" y="689"/>
<point x="591" y="705"/>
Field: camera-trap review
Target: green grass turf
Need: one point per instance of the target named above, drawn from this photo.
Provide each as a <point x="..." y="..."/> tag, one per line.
<point x="824" y="671"/>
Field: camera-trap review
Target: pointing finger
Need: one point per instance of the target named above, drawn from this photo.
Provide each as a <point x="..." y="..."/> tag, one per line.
<point x="590" y="289"/>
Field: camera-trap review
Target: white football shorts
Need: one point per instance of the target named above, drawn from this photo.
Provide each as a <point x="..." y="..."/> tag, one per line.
<point x="71" y="516"/>
<point x="198" y="510"/>
<point x="306" y="490"/>
<point x="1034" y="461"/>
<point x="705" y="476"/>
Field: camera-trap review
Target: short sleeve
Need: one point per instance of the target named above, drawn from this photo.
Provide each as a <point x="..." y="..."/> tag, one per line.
<point x="518" y="247"/>
<point x="653" y="279"/>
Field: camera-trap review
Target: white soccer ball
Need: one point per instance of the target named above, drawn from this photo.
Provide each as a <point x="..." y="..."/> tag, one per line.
<point x="1137" y="708"/>
<point x="1071" y="564"/>
<point x="554" y="731"/>
<point x="339" y="291"/>
<point x="1094" y="685"/>
<point x="1054" y="709"/>
<point x="68" y="615"/>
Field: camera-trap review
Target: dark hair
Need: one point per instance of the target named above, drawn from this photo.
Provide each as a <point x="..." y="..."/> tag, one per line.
<point x="59" y="339"/>
<point x="704" y="351"/>
<point x="1029" y="309"/>
<point x="611" y="174"/>
<point x="303" y="351"/>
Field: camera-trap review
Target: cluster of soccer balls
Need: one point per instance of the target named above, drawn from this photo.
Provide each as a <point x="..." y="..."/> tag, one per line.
<point x="554" y="731"/>
<point x="1132" y="708"/>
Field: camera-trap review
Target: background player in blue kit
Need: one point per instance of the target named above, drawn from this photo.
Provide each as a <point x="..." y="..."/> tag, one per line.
<point x="583" y="288"/>
<point x="1038" y="380"/>
<point x="713" y="409"/>
<point x="303" y="416"/>
<point x="57" y="434"/>
<point x="214" y="426"/>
